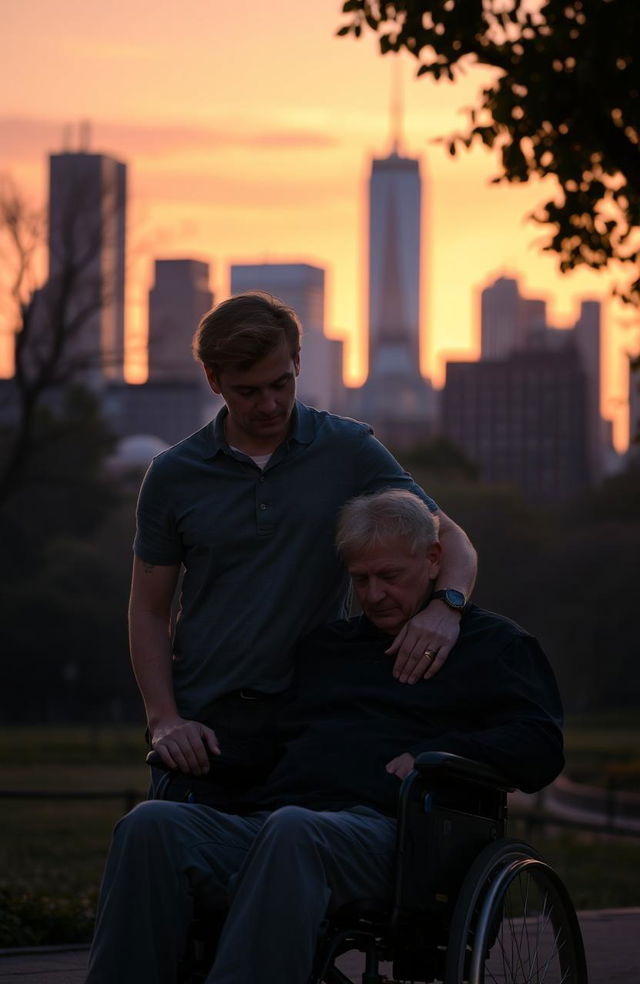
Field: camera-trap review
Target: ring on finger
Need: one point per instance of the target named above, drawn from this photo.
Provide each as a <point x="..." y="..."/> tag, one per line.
<point x="430" y="654"/>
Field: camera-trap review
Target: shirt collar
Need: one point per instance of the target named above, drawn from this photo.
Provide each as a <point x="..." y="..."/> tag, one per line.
<point x="302" y="429"/>
<point x="216" y="441"/>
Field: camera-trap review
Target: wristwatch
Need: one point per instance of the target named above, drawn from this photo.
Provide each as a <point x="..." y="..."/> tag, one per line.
<point x="451" y="597"/>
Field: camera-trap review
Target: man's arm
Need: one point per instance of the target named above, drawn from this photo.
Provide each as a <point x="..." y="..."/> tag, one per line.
<point x="436" y="628"/>
<point x="182" y="744"/>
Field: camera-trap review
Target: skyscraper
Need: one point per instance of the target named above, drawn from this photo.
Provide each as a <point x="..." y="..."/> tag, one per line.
<point x="86" y="283"/>
<point x="634" y="407"/>
<point x="507" y="320"/>
<point x="523" y="419"/>
<point x="176" y="399"/>
<point x="180" y="296"/>
<point x="511" y="323"/>
<point x="395" y="398"/>
<point x="586" y="334"/>
<point x="395" y="193"/>
<point x="301" y="287"/>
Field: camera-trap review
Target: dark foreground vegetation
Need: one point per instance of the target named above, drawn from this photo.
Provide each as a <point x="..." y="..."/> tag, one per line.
<point x="567" y="573"/>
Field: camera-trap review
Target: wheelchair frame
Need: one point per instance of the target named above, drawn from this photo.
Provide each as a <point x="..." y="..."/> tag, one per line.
<point x="469" y="905"/>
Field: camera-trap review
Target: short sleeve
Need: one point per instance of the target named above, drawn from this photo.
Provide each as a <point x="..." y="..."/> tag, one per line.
<point x="157" y="540"/>
<point x="377" y="469"/>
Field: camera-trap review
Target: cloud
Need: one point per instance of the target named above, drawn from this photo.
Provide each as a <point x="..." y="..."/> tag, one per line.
<point x="110" y="50"/>
<point x="25" y="137"/>
<point x="291" y="191"/>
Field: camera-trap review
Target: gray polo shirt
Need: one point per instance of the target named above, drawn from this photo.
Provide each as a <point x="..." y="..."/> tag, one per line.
<point x="260" y="566"/>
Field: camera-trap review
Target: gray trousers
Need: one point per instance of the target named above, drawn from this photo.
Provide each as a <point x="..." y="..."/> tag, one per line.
<point x="279" y="873"/>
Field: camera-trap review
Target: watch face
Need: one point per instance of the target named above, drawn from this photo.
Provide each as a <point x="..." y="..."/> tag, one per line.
<point x="454" y="598"/>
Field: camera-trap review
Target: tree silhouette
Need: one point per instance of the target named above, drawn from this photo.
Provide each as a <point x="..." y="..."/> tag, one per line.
<point x="564" y="103"/>
<point x="54" y="326"/>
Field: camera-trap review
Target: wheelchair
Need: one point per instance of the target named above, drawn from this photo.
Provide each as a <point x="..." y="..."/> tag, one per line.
<point x="469" y="905"/>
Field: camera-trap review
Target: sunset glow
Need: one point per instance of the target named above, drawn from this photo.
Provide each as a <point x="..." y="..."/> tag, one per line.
<point x="248" y="131"/>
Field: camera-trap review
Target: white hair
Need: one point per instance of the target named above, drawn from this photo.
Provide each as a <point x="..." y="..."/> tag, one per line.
<point x="368" y="520"/>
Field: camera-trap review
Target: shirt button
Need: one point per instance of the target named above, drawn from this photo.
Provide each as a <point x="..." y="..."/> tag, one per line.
<point x="263" y="506"/>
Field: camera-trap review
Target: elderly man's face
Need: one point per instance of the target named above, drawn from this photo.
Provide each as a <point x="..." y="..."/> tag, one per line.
<point x="392" y="582"/>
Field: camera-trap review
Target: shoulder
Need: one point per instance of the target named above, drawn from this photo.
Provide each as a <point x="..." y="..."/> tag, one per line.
<point x="186" y="453"/>
<point x="490" y="641"/>
<point x="501" y="657"/>
<point x="481" y="626"/>
<point x="323" y="425"/>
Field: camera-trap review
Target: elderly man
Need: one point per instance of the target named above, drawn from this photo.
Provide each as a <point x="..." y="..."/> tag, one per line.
<point x="319" y="831"/>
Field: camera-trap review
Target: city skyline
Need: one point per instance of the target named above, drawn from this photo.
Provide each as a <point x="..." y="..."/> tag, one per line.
<point x="272" y="165"/>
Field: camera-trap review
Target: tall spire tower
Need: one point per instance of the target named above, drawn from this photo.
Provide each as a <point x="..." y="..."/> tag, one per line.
<point x="395" y="191"/>
<point x="396" y="107"/>
<point x="396" y="398"/>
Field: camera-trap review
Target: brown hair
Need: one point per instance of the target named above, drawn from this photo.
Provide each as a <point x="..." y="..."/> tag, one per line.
<point x="243" y="329"/>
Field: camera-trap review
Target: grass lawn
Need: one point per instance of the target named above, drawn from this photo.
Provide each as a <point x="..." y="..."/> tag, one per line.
<point x="52" y="852"/>
<point x="604" y="748"/>
<point x="600" y="872"/>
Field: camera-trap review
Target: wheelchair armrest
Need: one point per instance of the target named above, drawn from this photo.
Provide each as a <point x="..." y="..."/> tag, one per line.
<point x="449" y="766"/>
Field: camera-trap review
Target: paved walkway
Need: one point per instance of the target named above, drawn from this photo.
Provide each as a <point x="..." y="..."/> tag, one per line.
<point x="612" y="941"/>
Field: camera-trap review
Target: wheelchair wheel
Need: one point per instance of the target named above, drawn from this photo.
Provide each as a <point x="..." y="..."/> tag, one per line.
<point x="514" y="923"/>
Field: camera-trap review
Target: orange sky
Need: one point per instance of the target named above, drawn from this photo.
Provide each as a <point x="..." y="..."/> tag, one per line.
<point x="248" y="131"/>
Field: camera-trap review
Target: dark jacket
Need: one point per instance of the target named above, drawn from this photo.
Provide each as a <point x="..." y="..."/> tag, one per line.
<point x="495" y="700"/>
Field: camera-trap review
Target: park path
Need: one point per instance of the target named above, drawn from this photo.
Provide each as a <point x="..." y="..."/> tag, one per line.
<point x="612" y="942"/>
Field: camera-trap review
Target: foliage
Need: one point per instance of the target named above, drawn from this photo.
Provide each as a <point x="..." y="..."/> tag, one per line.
<point x="29" y="919"/>
<point x="569" y="575"/>
<point x="442" y="457"/>
<point x="64" y="547"/>
<point x="63" y="490"/>
<point x="64" y="576"/>
<point x="600" y="873"/>
<point x="70" y="661"/>
<point x="564" y="104"/>
<point x="604" y="749"/>
<point x="52" y="853"/>
<point x="56" y="327"/>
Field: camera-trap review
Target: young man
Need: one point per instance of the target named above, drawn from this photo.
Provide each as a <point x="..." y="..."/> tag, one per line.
<point x="247" y="506"/>
<point x="319" y="831"/>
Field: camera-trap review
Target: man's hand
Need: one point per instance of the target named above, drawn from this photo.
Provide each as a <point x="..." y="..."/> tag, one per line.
<point x="184" y="745"/>
<point x="401" y="765"/>
<point x="423" y="644"/>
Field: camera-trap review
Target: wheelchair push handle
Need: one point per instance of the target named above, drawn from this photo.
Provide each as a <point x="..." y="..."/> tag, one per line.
<point x="155" y="761"/>
<point x="236" y="760"/>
